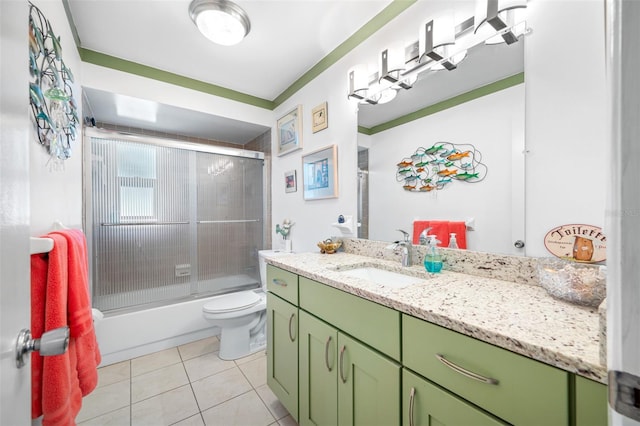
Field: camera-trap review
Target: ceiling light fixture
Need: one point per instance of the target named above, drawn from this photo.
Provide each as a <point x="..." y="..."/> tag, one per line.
<point x="221" y="21"/>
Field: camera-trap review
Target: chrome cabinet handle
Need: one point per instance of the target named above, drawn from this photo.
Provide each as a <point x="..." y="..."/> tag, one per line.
<point x="326" y="354"/>
<point x="278" y="281"/>
<point x="291" y="336"/>
<point x="344" y="379"/>
<point x="467" y="373"/>
<point x="412" y="396"/>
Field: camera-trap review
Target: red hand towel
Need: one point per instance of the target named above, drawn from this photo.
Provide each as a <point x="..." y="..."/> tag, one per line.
<point x="418" y="227"/>
<point x="460" y="229"/>
<point x="79" y="311"/>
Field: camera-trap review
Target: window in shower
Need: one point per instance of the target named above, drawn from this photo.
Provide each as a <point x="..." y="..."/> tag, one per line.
<point x="167" y="223"/>
<point x="136" y="165"/>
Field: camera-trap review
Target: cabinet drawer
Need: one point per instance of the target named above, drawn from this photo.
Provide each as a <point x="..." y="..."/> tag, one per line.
<point x="526" y="392"/>
<point x="367" y="321"/>
<point x="283" y="283"/>
<point x="424" y="403"/>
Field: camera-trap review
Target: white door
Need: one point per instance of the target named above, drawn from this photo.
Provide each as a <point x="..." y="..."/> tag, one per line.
<point x="15" y="384"/>
<point x="623" y="207"/>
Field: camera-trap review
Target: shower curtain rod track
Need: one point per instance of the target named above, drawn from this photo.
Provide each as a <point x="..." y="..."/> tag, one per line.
<point x="144" y="223"/>
<point x="180" y="223"/>
<point x="229" y="221"/>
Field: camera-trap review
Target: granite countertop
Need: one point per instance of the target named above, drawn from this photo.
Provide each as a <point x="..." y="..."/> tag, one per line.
<point x="519" y="317"/>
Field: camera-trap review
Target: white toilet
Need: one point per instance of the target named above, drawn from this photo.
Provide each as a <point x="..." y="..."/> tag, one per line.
<point x="242" y="316"/>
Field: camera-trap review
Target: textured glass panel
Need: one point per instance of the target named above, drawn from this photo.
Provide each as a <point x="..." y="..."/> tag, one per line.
<point x="146" y="246"/>
<point x="140" y="223"/>
<point x="230" y="225"/>
<point x="135" y="160"/>
<point x="136" y="201"/>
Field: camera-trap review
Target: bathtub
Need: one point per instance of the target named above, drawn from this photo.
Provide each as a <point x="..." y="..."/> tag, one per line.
<point x="122" y="336"/>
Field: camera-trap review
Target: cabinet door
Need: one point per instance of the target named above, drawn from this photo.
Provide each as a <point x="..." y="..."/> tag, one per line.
<point x="591" y="402"/>
<point x="368" y="385"/>
<point x="425" y="404"/>
<point x="318" y="372"/>
<point x="282" y="352"/>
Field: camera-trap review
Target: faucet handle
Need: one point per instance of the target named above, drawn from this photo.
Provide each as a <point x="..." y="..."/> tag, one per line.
<point x="405" y="235"/>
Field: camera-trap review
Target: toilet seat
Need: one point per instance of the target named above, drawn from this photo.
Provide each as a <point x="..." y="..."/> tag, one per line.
<point x="232" y="302"/>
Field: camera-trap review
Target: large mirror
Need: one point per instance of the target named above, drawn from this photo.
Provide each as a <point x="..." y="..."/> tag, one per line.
<point x="493" y="124"/>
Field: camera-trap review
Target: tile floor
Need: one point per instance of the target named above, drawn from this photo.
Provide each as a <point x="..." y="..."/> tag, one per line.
<point x="187" y="385"/>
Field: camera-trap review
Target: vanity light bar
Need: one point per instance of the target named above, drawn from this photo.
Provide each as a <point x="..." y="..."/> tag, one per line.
<point x="416" y="63"/>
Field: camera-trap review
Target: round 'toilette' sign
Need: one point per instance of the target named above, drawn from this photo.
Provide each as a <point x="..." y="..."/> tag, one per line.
<point x="577" y="242"/>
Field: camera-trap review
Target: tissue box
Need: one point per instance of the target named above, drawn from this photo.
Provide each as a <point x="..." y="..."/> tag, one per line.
<point x="578" y="283"/>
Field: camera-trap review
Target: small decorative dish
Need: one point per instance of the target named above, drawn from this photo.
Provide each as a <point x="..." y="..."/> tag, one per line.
<point x="329" y="246"/>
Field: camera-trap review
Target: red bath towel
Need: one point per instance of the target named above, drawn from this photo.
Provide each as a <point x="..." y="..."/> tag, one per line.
<point x="79" y="310"/>
<point x="441" y="229"/>
<point x="59" y="297"/>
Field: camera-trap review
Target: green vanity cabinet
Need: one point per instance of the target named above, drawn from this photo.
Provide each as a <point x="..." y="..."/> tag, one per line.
<point x="512" y="387"/>
<point x="343" y="381"/>
<point x="426" y="404"/>
<point x="591" y="403"/>
<point x="282" y="352"/>
<point x="334" y="358"/>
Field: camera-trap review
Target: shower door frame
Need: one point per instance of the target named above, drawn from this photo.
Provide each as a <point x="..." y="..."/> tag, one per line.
<point x="87" y="205"/>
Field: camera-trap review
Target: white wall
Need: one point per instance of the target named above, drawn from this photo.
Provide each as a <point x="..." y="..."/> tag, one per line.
<point x="489" y="124"/>
<point x="565" y="129"/>
<point x="313" y="218"/>
<point x="566" y="124"/>
<point x="56" y="195"/>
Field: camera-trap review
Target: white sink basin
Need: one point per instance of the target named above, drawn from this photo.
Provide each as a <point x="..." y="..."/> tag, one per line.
<point x="383" y="277"/>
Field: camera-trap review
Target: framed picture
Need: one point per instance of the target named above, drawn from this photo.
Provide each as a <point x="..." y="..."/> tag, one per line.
<point x="319" y="117"/>
<point x="320" y="173"/>
<point x="290" y="131"/>
<point x="290" y="181"/>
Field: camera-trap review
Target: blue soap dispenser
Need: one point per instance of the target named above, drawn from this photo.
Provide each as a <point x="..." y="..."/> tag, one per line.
<point x="433" y="259"/>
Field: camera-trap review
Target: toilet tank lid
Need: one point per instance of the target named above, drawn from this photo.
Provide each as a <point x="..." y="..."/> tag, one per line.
<point x="232" y="302"/>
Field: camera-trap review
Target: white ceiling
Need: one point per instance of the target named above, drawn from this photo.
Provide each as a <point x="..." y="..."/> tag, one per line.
<point x="287" y="38"/>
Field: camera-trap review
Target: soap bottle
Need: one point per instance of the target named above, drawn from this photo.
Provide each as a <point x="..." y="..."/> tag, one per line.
<point x="433" y="259"/>
<point x="453" y="243"/>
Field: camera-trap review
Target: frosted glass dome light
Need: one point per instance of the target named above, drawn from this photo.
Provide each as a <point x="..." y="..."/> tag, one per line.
<point x="221" y="21"/>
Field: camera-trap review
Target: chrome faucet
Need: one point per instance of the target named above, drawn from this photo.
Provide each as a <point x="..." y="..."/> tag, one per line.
<point x="405" y="247"/>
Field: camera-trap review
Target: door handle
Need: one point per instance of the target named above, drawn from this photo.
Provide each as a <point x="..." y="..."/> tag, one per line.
<point x="53" y="342"/>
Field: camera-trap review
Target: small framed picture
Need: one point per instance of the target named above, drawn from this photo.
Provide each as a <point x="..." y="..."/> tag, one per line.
<point x="320" y="174"/>
<point x="290" y="181"/>
<point x="319" y="117"/>
<point x="290" y="131"/>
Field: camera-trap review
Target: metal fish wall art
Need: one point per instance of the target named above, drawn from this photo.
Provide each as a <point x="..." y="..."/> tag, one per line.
<point x="434" y="168"/>
<point x="53" y="106"/>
